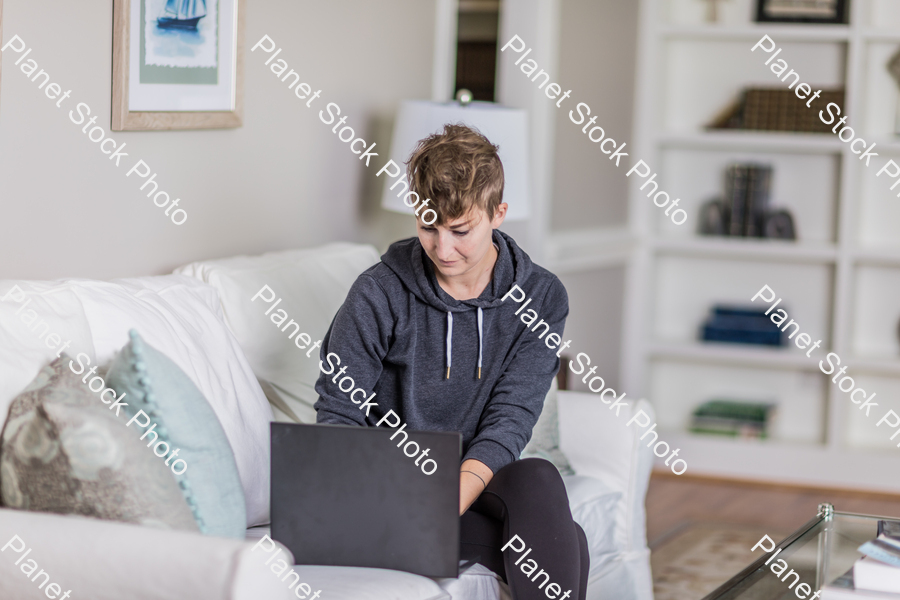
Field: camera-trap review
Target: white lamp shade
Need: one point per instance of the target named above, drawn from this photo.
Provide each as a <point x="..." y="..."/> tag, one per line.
<point x="504" y="127"/>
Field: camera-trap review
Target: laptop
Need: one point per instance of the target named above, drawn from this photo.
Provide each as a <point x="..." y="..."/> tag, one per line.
<point x="348" y="496"/>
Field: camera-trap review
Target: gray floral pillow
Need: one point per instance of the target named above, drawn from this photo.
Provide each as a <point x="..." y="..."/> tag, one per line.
<point x="63" y="451"/>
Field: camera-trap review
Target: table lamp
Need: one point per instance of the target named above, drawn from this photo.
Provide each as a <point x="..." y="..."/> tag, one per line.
<point x="504" y="127"/>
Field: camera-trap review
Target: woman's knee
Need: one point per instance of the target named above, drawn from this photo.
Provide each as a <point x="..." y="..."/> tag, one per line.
<point x="538" y="468"/>
<point x="531" y="472"/>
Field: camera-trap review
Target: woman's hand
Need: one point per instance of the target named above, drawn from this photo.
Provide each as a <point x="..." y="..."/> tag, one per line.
<point x="474" y="476"/>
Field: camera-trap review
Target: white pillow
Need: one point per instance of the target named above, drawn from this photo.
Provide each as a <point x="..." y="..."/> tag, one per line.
<point x="180" y="317"/>
<point x="312" y="284"/>
<point x="47" y="310"/>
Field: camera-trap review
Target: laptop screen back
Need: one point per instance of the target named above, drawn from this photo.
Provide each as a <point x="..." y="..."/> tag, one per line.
<point x="349" y="496"/>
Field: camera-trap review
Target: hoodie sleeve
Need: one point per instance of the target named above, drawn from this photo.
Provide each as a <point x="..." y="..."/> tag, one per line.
<point x="518" y="397"/>
<point x="358" y="339"/>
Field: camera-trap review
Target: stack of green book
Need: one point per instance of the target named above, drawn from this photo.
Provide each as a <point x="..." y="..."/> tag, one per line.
<point x="732" y="418"/>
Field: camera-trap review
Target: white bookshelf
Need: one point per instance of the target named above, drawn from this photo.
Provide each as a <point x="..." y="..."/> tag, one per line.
<point x="840" y="280"/>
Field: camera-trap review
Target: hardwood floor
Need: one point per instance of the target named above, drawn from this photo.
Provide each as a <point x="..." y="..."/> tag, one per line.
<point x="675" y="501"/>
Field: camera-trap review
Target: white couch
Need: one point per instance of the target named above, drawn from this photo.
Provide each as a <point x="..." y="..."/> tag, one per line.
<point x="204" y="320"/>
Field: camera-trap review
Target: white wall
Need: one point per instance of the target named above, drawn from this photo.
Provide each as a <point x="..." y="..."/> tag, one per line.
<point x="597" y="60"/>
<point x="282" y="180"/>
<point x="595" y="322"/>
<point x="537" y="23"/>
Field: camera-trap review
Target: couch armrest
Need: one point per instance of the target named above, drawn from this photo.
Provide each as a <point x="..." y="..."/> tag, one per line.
<point x="105" y="560"/>
<point x="600" y="445"/>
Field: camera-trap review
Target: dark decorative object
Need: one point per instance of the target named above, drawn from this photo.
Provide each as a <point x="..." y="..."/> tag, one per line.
<point x="741" y="326"/>
<point x="802" y="11"/>
<point x="898" y="329"/>
<point x="744" y="211"/>
<point x="737" y="179"/>
<point x="775" y="109"/>
<point x="759" y="182"/>
<point x="713" y="220"/>
<point x="893" y="68"/>
<point x="780" y="226"/>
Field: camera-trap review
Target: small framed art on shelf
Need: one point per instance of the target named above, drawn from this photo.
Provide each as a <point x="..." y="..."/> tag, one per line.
<point x="802" y="11"/>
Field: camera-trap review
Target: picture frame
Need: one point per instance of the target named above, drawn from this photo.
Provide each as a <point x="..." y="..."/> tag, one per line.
<point x="1" y="39"/>
<point x="177" y="64"/>
<point x="802" y="11"/>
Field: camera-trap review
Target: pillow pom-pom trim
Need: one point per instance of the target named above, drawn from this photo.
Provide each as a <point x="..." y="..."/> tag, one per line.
<point x="139" y="366"/>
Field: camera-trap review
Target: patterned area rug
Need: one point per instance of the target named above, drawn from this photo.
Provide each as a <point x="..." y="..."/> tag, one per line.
<point x="701" y="557"/>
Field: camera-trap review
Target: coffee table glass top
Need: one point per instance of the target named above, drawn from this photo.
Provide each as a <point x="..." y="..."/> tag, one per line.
<point x="820" y="551"/>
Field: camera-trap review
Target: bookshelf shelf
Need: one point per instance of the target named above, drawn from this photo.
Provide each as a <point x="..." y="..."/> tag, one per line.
<point x="689" y="437"/>
<point x="882" y="256"/>
<point x="749" y="249"/>
<point x="879" y="366"/>
<point x="780" y="32"/>
<point x="890" y="145"/>
<point x="840" y="279"/>
<point x="881" y="35"/>
<point x="734" y="354"/>
<point x="788" y="462"/>
<point x="814" y="143"/>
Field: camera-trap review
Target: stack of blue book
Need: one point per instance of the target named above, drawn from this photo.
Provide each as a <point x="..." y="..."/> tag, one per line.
<point x="741" y="326"/>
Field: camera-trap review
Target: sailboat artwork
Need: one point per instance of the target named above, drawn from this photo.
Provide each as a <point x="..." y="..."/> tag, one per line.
<point x="180" y="34"/>
<point x="182" y="14"/>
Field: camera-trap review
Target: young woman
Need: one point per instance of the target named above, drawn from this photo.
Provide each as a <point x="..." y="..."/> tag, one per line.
<point x="427" y="329"/>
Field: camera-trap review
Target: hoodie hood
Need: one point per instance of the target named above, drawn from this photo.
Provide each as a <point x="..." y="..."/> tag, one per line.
<point x="407" y="259"/>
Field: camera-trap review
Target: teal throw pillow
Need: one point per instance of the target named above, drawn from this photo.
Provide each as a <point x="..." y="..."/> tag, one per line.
<point x="176" y="417"/>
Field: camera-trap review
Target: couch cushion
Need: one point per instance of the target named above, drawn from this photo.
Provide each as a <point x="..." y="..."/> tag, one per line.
<point x="176" y="414"/>
<point x="358" y="583"/>
<point x="312" y="285"/>
<point x="63" y="451"/>
<point x="179" y="316"/>
<point x="103" y="560"/>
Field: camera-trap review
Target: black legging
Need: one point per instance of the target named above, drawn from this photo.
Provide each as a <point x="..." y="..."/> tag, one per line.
<point x="527" y="498"/>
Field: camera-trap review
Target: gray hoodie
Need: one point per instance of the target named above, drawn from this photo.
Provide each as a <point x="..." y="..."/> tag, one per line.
<point x="398" y="333"/>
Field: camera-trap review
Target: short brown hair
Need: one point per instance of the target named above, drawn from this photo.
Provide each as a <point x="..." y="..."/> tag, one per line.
<point x="457" y="169"/>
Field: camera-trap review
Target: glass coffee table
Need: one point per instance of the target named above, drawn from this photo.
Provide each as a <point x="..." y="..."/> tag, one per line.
<point x="820" y="551"/>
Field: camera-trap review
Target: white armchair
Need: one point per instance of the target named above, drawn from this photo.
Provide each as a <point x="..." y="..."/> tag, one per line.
<point x="612" y="470"/>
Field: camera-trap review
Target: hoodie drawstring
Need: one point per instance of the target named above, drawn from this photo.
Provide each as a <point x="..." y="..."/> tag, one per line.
<point x="480" y="318"/>
<point x="450" y="338"/>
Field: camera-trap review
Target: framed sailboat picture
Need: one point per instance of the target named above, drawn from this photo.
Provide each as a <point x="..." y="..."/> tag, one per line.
<point x="177" y="64"/>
